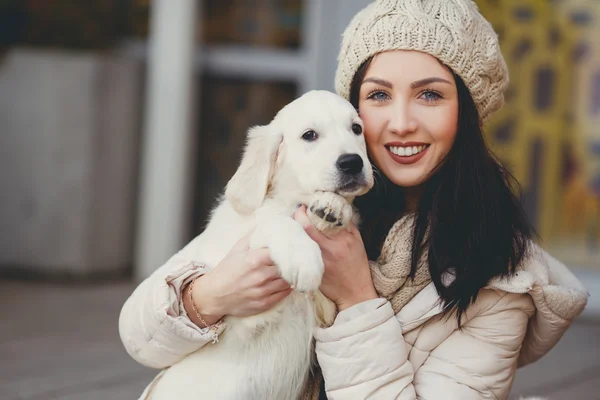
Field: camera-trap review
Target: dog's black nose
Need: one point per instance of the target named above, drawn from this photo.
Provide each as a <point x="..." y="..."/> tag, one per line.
<point x="350" y="163"/>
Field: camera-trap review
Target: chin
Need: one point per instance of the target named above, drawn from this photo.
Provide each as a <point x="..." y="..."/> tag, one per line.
<point x="407" y="184"/>
<point x="409" y="181"/>
<point x="405" y="178"/>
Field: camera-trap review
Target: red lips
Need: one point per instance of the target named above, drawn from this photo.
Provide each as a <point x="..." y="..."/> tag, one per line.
<point x="406" y="159"/>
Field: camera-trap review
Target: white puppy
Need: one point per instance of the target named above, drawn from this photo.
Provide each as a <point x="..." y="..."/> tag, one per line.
<point x="313" y="152"/>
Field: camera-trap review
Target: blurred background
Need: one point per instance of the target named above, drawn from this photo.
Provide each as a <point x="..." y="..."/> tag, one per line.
<point x="122" y="120"/>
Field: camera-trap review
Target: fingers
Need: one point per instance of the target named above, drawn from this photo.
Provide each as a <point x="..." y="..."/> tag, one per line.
<point x="259" y="258"/>
<point x="277" y="297"/>
<point x="276" y="285"/>
<point x="354" y="231"/>
<point x="259" y="268"/>
<point x="311" y="230"/>
<point x="264" y="275"/>
<point x="243" y="243"/>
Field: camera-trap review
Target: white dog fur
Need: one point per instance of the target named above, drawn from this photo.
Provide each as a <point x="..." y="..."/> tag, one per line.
<point x="268" y="356"/>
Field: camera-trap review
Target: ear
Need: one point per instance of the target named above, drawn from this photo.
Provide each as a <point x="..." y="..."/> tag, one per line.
<point x="247" y="189"/>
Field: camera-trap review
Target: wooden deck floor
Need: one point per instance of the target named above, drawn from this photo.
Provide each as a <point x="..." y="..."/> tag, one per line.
<point x="60" y="341"/>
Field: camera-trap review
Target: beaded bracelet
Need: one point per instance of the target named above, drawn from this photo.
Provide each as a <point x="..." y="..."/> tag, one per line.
<point x="215" y="326"/>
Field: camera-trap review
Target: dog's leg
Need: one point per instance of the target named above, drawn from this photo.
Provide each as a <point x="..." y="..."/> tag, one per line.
<point x="296" y="255"/>
<point x="329" y="212"/>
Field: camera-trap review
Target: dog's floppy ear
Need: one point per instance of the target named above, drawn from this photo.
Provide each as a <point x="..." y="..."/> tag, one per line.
<point x="247" y="189"/>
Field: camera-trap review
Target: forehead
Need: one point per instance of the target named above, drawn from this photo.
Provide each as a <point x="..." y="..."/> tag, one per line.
<point x="407" y="66"/>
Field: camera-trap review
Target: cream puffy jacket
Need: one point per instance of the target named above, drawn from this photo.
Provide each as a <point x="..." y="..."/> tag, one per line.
<point x="370" y="352"/>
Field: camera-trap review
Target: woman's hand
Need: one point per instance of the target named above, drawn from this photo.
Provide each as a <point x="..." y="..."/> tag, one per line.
<point x="347" y="279"/>
<point x="244" y="283"/>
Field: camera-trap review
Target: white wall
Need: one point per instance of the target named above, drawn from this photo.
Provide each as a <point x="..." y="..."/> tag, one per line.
<point x="69" y="159"/>
<point x="336" y="15"/>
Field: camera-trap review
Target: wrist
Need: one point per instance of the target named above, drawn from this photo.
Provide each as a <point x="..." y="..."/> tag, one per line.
<point x="201" y="306"/>
<point x="357" y="298"/>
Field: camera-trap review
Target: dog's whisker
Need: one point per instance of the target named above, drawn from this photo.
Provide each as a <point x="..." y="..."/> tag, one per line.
<point x="382" y="184"/>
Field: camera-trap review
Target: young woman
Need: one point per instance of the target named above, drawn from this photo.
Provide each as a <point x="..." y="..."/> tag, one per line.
<point x="458" y="296"/>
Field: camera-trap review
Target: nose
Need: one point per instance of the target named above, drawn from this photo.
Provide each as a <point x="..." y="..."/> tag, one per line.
<point x="350" y="164"/>
<point x="402" y="121"/>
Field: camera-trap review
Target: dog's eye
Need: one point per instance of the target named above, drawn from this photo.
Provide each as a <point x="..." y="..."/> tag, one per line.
<point x="356" y="128"/>
<point x="309" y="136"/>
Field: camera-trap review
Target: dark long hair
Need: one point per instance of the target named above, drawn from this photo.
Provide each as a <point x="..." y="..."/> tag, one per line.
<point x="477" y="227"/>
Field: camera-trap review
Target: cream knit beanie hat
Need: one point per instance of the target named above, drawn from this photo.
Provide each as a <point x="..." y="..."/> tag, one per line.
<point x="453" y="31"/>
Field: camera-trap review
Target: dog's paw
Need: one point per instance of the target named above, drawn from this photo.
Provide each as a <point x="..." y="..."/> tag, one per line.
<point x="297" y="256"/>
<point x="308" y="266"/>
<point x="329" y="212"/>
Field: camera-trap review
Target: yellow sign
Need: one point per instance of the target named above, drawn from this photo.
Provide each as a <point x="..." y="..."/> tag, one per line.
<point x="548" y="133"/>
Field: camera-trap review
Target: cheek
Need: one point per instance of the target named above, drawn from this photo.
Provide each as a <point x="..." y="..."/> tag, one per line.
<point x="372" y="141"/>
<point x="372" y="130"/>
<point x="444" y="131"/>
<point x="446" y="137"/>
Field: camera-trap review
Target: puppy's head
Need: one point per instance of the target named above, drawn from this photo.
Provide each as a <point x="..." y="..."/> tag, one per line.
<point x="315" y="143"/>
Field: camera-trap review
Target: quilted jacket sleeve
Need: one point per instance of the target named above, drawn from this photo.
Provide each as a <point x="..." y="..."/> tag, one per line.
<point x="364" y="355"/>
<point x="153" y="325"/>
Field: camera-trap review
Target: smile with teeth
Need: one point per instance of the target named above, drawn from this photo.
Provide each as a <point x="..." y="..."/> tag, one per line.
<point x="407" y="151"/>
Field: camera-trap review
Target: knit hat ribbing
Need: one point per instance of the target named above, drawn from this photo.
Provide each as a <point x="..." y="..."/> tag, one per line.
<point x="453" y="31"/>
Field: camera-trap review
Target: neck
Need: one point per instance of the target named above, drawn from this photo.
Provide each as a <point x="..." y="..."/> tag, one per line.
<point x="412" y="197"/>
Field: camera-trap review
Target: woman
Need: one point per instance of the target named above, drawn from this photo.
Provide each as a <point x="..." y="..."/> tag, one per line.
<point x="459" y="296"/>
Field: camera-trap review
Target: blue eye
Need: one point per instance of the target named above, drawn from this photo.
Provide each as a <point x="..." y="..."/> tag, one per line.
<point x="431" y="95"/>
<point x="378" y="95"/>
<point x="310" y="136"/>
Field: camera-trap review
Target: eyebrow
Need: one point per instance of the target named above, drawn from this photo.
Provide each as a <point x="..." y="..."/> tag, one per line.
<point x="378" y="81"/>
<point x="427" y="81"/>
<point x="413" y="85"/>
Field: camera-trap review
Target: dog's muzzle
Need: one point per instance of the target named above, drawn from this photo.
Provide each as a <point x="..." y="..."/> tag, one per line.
<point x="350" y="164"/>
<point x="352" y="180"/>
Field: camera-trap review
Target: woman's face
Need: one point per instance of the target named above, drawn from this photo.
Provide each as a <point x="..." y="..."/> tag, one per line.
<point x="409" y="104"/>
